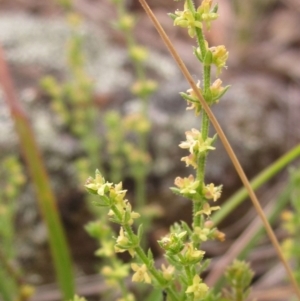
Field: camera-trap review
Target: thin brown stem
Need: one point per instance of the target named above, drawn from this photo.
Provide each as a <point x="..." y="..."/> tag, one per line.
<point x="225" y="142"/>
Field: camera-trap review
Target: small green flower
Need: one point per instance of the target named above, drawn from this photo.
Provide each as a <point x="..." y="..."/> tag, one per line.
<point x="207" y="13"/>
<point x="217" y="91"/>
<point x="97" y="185"/>
<point x="104" y="188"/>
<point x="219" y="57"/>
<point x="123" y="243"/>
<point x="168" y="272"/>
<point x="128" y="215"/>
<point x="187" y="19"/>
<point x="173" y="242"/>
<point x="212" y="192"/>
<point x="192" y="99"/>
<point x="117" y="193"/>
<point x="187" y="185"/>
<point x="192" y="255"/>
<point x="122" y="239"/>
<point x="141" y="273"/>
<point x="207" y="210"/>
<point x="195" y="143"/>
<point x="202" y="233"/>
<point x="190" y="160"/>
<point x="119" y="207"/>
<point x="198" y="288"/>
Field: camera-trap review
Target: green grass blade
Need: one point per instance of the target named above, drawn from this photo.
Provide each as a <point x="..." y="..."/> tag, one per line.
<point x="46" y="200"/>
<point x="257" y="182"/>
<point x="281" y="202"/>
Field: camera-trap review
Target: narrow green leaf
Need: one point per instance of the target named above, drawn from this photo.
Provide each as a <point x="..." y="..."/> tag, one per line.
<point x="39" y="177"/>
<point x="257" y="182"/>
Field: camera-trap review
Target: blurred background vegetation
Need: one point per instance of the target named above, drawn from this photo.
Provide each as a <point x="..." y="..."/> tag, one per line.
<point x="73" y="77"/>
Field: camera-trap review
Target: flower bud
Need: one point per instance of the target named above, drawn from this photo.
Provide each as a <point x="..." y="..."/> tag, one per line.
<point x="173" y="243"/>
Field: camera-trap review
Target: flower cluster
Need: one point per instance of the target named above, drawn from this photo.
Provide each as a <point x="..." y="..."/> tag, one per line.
<point x="180" y="251"/>
<point x="173" y="243"/>
<point x="195" y="143"/>
<point x="198" y="288"/>
<point x="196" y="146"/>
<point x="192" y="19"/>
<point x="112" y="196"/>
<point x="187" y="186"/>
<point x="123" y="243"/>
<point x="192" y="99"/>
<point x="212" y="192"/>
<point x="219" y="57"/>
<point x="211" y="96"/>
<point x="141" y="273"/>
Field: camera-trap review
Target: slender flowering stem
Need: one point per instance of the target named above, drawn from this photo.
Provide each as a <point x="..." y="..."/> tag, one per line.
<point x="143" y="257"/>
<point x="205" y="125"/>
<point x="226" y="144"/>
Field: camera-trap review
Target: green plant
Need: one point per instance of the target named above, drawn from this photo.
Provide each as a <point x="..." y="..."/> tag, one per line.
<point x="239" y="276"/>
<point x="180" y="279"/>
<point x="12" y="284"/>
<point x="136" y="124"/>
<point x="73" y="103"/>
<point x="72" y="100"/>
